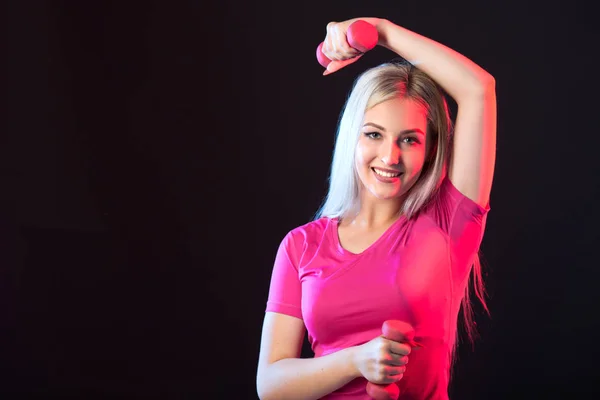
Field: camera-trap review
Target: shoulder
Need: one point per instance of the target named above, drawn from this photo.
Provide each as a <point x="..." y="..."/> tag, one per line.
<point x="448" y="204"/>
<point x="313" y="230"/>
<point x="304" y="238"/>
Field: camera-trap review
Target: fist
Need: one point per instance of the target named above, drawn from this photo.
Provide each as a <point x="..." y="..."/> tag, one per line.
<point x="336" y="46"/>
<point x="382" y="361"/>
<point x="397" y="331"/>
<point x="346" y="42"/>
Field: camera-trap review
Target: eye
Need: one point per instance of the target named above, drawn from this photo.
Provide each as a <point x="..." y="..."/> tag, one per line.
<point x="373" y="135"/>
<point x="410" y="140"/>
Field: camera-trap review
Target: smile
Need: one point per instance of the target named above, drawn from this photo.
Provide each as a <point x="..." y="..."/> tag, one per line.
<point x="385" y="174"/>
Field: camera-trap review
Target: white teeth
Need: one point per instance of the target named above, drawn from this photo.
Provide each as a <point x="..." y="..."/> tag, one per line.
<point x="386" y="174"/>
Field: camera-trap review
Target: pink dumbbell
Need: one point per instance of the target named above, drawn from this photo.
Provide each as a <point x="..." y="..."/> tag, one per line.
<point x="397" y="331"/>
<point x="361" y="35"/>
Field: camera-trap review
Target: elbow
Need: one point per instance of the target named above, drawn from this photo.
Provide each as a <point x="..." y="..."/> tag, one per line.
<point x="262" y="396"/>
<point x="262" y="393"/>
<point x="262" y="388"/>
<point x="485" y="84"/>
<point x="488" y="83"/>
<point x="480" y="88"/>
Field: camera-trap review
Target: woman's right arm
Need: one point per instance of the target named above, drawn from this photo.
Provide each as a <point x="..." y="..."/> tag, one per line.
<point x="282" y="375"/>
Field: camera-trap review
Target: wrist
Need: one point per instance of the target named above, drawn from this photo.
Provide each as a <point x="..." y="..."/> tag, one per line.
<point x="382" y="24"/>
<point x="352" y="362"/>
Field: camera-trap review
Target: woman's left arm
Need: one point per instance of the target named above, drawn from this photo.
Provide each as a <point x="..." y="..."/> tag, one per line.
<point x="474" y="152"/>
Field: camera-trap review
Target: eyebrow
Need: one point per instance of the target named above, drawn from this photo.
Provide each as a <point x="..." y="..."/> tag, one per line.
<point x="414" y="130"/>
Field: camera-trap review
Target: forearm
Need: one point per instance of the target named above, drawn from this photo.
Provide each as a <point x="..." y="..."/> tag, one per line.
<point x="306" y="378"/>
<point x="458" y="75"/>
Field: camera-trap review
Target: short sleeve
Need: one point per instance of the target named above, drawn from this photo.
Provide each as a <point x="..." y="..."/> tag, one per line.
<point x="454" y="212"/>
<point x="285" y="292"/>
<point x="464" y="221"/>
<point x="467" y="218"/>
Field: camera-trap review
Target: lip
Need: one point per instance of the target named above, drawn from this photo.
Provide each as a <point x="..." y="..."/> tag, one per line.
<point x="391" y="171"/>
<point x="386" y="179"/>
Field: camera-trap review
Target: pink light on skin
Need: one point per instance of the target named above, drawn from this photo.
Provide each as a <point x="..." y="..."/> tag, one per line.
<point x="392" y="139"/>
<point x="398" y="331"/>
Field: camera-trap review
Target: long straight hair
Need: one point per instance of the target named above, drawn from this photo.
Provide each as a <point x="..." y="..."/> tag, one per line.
<point x="374" y="86"/>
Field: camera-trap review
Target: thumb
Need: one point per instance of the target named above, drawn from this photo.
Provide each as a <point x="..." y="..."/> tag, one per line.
<point x="334" y="66"/>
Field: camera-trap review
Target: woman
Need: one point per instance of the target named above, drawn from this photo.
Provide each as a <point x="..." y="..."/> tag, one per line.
<point x="398" y="235"/>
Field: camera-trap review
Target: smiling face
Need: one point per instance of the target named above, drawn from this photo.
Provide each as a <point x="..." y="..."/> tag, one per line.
<point x="391" y="149"/>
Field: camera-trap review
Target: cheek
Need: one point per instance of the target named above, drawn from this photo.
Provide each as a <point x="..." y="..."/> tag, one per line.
<point x="363" y="154"/>
<point x="415" y="161"/>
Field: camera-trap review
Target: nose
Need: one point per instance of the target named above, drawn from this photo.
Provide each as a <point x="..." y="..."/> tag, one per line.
<point x="391" y="154"/>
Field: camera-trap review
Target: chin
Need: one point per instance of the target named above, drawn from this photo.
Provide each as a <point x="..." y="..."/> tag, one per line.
<point x="399" y="191"/>
<point x="387" y="194"/>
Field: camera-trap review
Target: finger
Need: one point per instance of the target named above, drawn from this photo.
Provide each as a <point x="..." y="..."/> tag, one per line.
<point x="331" y="47"/>
<point x="337" y="47"/>
<point x="396" y="360"/>
<point x="337" y="65"/>
<point x="394" y="372"/>
<point x="326" y="48"/>
<point x="414" y="344"/>
<point x="340" y="55"/>
<point x="390" y="375"/>
<point x="350" y="52"/>
<point x="330" y="26"/>
<point x="400" y="348"/>
<point x="342" y="48"/>
<point x="390" y="379"/>
<point x="333" y="50"/>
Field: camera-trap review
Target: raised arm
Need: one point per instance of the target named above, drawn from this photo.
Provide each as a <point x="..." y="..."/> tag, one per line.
<point x="474" y="152"/>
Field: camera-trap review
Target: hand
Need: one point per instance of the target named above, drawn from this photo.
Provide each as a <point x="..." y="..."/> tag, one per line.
<point x="399" y="332"/>
<point x="381" y="361"/>
<point x="336" y="46"/>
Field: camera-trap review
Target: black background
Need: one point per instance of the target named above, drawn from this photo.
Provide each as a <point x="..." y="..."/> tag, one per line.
<point x="157" y="152"/>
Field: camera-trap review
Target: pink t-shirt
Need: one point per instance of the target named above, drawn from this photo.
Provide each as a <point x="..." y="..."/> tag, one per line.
<point x="415" y="272"/>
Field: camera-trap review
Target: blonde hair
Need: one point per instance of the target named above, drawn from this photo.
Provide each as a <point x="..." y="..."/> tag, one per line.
<point x="374" y="86"/>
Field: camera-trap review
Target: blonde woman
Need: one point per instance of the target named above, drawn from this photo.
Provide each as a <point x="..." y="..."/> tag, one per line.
<point x="398" y="235"/>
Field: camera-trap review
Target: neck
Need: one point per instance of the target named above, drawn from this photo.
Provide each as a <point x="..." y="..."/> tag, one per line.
<point x="375" y="213"/>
